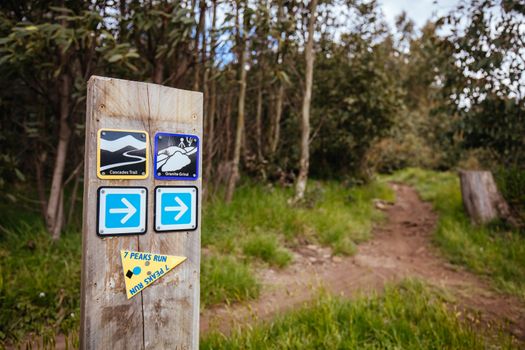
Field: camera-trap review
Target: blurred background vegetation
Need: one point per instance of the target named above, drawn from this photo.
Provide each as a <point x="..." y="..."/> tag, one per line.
<point x="445" y="96"/>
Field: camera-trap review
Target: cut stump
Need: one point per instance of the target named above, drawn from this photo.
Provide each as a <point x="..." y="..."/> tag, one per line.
<point x="481" y="198"/>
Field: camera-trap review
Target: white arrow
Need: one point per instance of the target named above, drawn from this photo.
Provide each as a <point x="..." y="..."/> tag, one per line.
<point x="182" y="208"/>
<point x="129" y="210"/>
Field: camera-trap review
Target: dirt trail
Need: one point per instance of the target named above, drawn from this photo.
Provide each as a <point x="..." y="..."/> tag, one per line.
<point x="400" y="248"/>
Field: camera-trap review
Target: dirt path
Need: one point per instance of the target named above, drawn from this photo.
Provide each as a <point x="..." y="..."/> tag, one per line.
<point x="400" y="248"/>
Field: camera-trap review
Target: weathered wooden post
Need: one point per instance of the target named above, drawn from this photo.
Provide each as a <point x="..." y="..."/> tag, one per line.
<point x="141" y="194"/>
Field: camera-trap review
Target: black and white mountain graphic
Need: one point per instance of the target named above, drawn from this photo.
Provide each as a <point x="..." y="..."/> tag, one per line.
<point x="122" y="153"/>
<point x="176" y="156"/>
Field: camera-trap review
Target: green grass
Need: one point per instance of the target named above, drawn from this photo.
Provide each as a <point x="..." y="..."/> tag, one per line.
<point x="223" y="279"/>
<point x="486" y="250"/>
<point x="266" y="248"/>
<point x="334" y="215"/>
<point x="39" y="282"/>
<point x="407" y="316"/>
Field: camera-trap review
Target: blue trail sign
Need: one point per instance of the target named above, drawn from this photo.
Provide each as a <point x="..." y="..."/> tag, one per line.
<point x="175" y="208"/>
<point x="122" y="210"/>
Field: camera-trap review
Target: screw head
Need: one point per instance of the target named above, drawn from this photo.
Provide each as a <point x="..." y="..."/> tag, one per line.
<point x="158" y="174"/>
<point x="143" y="136"/>
<point x="160" y="137"/>
<point x="103" y="191"/>
<point x="101" y="231"/>
<point x="158" y="228"/>
<point x="103" y="173"/>
<point x="194" y="175"/>
<point x="143" y="173"/>
<point x="103" y="133"/>
<point x="142" y="191"/>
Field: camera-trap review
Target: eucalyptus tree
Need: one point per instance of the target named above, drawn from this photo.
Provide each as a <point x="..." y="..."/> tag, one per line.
<point x="486" y="80"/>
<point x="49" y="53"/>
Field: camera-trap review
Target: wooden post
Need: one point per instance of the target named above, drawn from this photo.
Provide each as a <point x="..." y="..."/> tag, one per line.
<point x="166" y="314"/>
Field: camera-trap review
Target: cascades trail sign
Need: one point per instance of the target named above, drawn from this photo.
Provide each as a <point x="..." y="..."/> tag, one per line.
<point x="128" y="212"/>
<point x="122" y="154"/>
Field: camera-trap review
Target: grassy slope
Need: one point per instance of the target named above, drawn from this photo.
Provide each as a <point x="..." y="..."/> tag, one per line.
<point x="489" y="251"/>
<point x="406" y="316"/>
<point x="40" y="280"/>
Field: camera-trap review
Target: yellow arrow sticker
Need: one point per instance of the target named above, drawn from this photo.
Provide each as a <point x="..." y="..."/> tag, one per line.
<point x="142" y="269"/>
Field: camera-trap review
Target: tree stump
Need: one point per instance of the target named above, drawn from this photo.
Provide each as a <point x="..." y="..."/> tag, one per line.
<point x="481" y="198"/>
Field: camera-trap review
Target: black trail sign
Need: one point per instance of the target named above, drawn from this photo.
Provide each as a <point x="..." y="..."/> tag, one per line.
<point x="176" y="156"/>
<point x="122" y="154"/>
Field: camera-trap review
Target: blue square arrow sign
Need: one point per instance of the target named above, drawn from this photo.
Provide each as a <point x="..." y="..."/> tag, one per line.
<point x="176" y="208"/>
<point x="122" y="210"/>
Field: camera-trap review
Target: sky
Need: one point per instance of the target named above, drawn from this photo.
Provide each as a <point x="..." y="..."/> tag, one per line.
<point x="418" y="10"/>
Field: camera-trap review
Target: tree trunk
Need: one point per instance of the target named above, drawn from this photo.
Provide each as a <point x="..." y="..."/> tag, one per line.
<point x="276" y="124"/>
<point x="481" y="198"/>
<point x="211" y="87"/>
<point x="54" y="204"/>
<point x="200" y="29"/>
<point x="240" y="114"/>
<point x="302" y="178"/>
<point x="258" y="121"/>
<point x="158" y="71"/>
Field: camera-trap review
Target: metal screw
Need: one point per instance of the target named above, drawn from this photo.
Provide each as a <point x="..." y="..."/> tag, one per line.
<point x="103" y="132"/>
<point x="102" y="191"/>
<point x="143" y="173"/>
<point x="101" y="231"/>
<point x="158" y="174"/>
<point x="143" y="136"/>
<point x="103" y="173"/>
<point x="193" y="190"/>
<point x="192" y="226"/>
<point x="158" y="228"/>
<point x="146" y="263"/>
<point x="142" y="191"/>
<point x="160" y="137"/>
<point x="158" y="190"/>
<point x="193" y="175"/>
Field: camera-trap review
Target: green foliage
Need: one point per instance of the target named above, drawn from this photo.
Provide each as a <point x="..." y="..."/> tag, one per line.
<point x="407" y="316"/>
<point x="497" y="124"/>
<point x="223" y="279"/>
<point x="484" y="77"/>
<point x="353" y="112"/>
<point x="488" y="251"/>
<point x="511" y="183"/>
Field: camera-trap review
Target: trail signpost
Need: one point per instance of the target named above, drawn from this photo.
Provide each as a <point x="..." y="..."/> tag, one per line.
<point x="141" y="222"/>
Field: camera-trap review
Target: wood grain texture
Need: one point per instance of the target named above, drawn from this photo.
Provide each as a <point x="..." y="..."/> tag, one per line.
<point x="166" y="314"/>
<point x="481" y="198"/>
